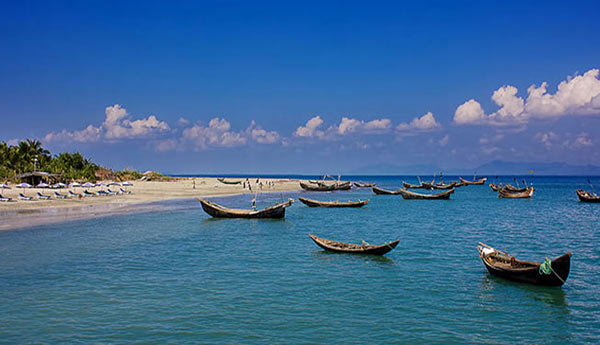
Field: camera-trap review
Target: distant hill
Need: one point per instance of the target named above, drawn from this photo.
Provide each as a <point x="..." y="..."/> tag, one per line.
<point x="521" y="168"/>
<point x="496" y="167"/>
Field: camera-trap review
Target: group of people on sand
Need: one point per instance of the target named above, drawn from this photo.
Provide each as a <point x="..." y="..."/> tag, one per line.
<point x="259" y="183"/>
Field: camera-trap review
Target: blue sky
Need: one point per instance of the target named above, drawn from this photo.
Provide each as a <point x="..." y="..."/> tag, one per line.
<point x="307" y="87"/>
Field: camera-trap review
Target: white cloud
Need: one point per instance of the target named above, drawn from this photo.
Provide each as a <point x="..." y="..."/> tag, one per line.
<point x="116" y="125"/>
<point x="166" y="145"/>
<point x="218" y="134"/>
<point x="469" y="112"/>
<point x="183" y="121"/>
<point x="310" y="129"/>
<point x="578" y="95"/>
<point x="583" y="140"/>
<point x="424" y="123"/>
<point x="260" y="135"/>
<point x="349" y="125"/>
<point x="89" y="134"/>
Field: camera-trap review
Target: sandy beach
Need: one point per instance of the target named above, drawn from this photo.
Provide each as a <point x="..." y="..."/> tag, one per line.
<point x="144" y="196"/>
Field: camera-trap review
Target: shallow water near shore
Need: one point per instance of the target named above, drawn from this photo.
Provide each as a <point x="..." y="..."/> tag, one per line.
<point x="179" y="276"/>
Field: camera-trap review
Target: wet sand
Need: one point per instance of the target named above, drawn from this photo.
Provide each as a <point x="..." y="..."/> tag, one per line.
<point x="145" y="196"/>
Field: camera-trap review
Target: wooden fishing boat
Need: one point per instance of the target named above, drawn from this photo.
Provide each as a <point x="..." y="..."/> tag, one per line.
<point x="512" y="188"/>
<point x="443" y="186"/>
<point x="498" y="263"/>
<point x="587" y="196"/>
<point x="381" y="191"/>
<point x="317" y="187"/>
<point x="317" y="203"/>
<point x="218" y="211"/>
<point x="476" y="182"/>
<point x="222" y="180"/>
<point x="364" y="185"/>
<point x="495" y="187"/>
<point x="414" y="186"/>
<point x="406" y="194"/>
<point x="507" y="194"/>
<point x="343" y="185"/>
<point x="365" y="248"/>
<point x="460" y="184"/>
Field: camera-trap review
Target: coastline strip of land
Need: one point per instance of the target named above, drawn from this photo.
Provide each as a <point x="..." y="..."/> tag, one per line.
<point x="145" y="196"/>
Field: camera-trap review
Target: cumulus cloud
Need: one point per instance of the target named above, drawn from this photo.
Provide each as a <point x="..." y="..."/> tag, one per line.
<point x="89" y="134"/>
<point x="580" y="141"/>
<point x="578" y="95"/>
<point x="218" y="133"/>
<point x="349" y="125"/>
<point x="310" y="129"/>
<point x="116" y="125"/>
<point x="424" y="123"/>
<point x="260" y="135"/>
<point x="445" y="140"/>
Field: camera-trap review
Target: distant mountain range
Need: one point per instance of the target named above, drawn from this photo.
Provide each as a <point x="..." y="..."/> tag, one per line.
<point x="496" y="167"/>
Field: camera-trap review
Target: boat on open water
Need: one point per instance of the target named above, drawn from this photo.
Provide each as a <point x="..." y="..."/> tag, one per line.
<point x="365" y="248"/>
<point x="219" y="211"/>
<point x="474" y="182"/>
<point x="587" y="196"/>
<point x="508" y="194"/>
<point x="332" y="204"/>
<point x="406" y="194"/>
<point x="501" y="264"/>
<point x="381" y="191"/>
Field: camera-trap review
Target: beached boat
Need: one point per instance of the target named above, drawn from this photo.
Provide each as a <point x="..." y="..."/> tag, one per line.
<point x="406" y="194"/>
<point x="507" y="194"/>
<point x="317" y="203"/>
<point x="347" y="185"/>
<point x="587" y="196"/>
<point x="321" y="187"/>
<point x="365" y="248"/>
<point x="475" y="182"/>
<point x="222" y="180"/>
<point x="413" y="186"/>
<point x="381" y="191"/>
<point x="498" y="263"/>
<point x="218" y="211"/>
<point x="364" y="185"/>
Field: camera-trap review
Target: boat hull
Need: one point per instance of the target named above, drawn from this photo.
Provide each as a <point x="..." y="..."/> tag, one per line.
<point x="532" y="275"/>
<point x="332" y="204"/>
<point x="417" y="196"/>
<point x="340" y="247"/>
<point x="587" y="197"/>
<point x="380" y="191"/>
<point x="218" y="211"/>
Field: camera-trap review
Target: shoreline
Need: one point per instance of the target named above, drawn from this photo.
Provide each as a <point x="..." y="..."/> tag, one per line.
<point x="147" y="196"/>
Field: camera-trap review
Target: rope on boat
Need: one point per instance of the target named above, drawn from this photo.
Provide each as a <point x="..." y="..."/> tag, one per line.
<point x="546" y="268"/>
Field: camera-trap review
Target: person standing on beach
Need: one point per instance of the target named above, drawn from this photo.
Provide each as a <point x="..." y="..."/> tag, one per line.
<point x="194" y="184"/>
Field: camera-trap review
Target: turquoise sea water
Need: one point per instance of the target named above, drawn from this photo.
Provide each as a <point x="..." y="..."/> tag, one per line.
<point x="178" y="276"/>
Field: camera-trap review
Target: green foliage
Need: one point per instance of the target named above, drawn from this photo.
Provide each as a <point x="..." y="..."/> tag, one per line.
<point x="20" y="158"/>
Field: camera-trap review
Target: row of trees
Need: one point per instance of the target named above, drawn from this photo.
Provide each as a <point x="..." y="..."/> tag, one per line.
<point x="29" y="155"/>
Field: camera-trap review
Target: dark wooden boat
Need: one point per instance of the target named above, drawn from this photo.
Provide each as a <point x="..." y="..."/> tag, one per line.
<point x="477" y="182"/>
<point x="587" y="196"/>
<point x="317" y="203"/>
<point x="365" y="248"/>
<point x="381" y="191"/>
<point x="222" y="180"/>
<point x="321" y="187"/>
<point x="406" y="194"/>
<point x="364" y="185"/>
<point x="503" y="265"/>
<point x="443" y="186"/>
<point x="512" y="188"/>
<point x="343" y="185"/>
<point x="507" y="194"/>
<point x="218" y="211"/>
<point x="459" y="184"/>
<point x="495" y="187"/>
<point x="414" y="186"/>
